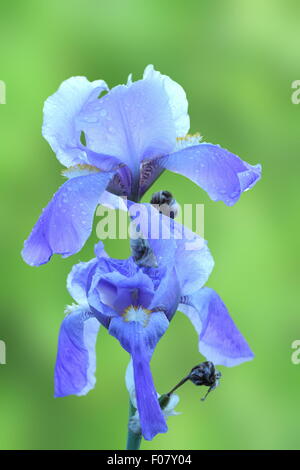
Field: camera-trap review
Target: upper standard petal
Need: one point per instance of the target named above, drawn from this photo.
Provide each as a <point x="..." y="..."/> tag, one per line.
<point x="177" y="99"/>
<point x="131" y="123"/>
<point x="60" y="111"/>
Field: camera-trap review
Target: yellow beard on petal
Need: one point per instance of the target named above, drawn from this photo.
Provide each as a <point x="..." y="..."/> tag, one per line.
<point x="81" y="169"/>
<point x="188" y="141"/>
<point x="138" y="314"/>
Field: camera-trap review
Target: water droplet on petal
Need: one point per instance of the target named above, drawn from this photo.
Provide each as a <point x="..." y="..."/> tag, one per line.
<point x="90" y="119"/>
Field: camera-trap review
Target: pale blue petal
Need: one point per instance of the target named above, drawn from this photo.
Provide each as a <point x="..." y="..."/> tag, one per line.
<point x="76" y="357"/>
<point x="177" y="100"/>
<point x="223" y="175"/>
<point x="140" y="342"/>
<point x="131" y="123"/>
<point x="60" y="111"/>
<point x="66" y="223"/>
<point x="219" y="339"/>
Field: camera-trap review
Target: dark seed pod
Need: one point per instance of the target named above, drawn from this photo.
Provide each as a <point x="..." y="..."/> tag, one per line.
<point x="205" y="374"/>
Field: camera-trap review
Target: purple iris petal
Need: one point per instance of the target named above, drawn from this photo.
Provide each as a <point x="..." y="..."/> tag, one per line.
<point x="174" y="244"/>
<point x="140" y="341"/>
<point x="155" y="228"/>
<point x="219" y="339"/>
<point x="150" y="170"/>
<point x="194" y="262"/>
<point x="130" y="122"/>
<point x="223" y="175"/>
<point x="127" y="267"/>
<point x="118" y="269"/>
<point x="78" y="280"/>
<point x="167" y="290"/>
<point x="119" y="292"/>
<point x="103" y="162"/>
<point x="60" y="111"/>
<point x="122" y="183"/>
<point x="112" y="201"/>
<point x="176" y="97"/>
<point x="76" y="360"/>
<point x="66" y="223"/>
<point x="100" y="251"/>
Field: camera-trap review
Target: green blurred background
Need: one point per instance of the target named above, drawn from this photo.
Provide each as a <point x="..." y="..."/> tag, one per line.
<point x="236" y="60"/>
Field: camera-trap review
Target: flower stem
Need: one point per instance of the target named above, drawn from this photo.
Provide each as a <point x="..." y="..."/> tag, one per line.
<point x="133" y="439"/>
<point x="185" y="379"/>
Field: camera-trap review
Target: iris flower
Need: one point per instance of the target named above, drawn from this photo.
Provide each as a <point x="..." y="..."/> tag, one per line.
<point x="116" y="143"/>
<point x="136" y="305"/>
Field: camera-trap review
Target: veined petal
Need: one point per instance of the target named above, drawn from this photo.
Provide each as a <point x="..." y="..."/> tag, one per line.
<point x="150" y="170"/>
<point x="140" y="342"/>
<point x="130" y="122"/>
<point x="60" y="111"/>
<point x="80" y="277"/>
<point x="173" y="244"/>
<point x="194" y="262"/>
<point x="151" y="416"/>
<point x="76" y="359"/>
<point x="134" y="423"/>
<point x="66" y="223"/>
<point x="112" y="201"/>
<point x="167" y="293"/>
<point x="120" y="183"/>
<point x="77" y="281"/>
<point x="219" y="339"/>
<point x="101" y="289"/>
<point x="223" y="175"/>
<point x="119" y="292"/>
<point x="177" y="100"/>
<point x="148" y="223"/>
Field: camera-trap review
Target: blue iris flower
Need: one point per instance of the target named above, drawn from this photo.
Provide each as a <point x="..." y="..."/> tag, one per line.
<point x="136" y="305"/>
<point x="116" y="143"/>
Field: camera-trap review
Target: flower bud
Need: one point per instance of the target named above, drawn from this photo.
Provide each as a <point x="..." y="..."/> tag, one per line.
<point x="164" y="202"/>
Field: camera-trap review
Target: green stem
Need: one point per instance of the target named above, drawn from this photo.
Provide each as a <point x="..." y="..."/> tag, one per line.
<point x="185" y="379"/>
<point x="133" y="439"/>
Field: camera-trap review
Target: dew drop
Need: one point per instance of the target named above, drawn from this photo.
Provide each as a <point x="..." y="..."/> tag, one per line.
<point x="91" y="119"/>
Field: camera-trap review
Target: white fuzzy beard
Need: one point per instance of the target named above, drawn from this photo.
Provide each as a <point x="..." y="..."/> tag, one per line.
<point x="138" y="314"/>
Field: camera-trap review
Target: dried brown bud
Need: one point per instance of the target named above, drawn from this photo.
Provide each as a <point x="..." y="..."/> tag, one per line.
<point x="205" y="374"/>
<point x="164" y="202"/>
